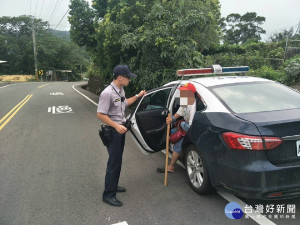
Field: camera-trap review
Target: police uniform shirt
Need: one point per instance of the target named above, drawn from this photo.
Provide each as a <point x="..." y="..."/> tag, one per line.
<point x="111" y="105"/>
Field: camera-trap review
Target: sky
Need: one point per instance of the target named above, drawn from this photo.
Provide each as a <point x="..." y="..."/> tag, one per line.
<point x="279" y="14"/>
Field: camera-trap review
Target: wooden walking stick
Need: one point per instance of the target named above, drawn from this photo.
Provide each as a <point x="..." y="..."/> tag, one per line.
<point x="167" y="150"/>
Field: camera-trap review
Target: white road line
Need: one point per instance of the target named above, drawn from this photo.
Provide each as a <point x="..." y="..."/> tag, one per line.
<point x="257" y="217"/>
<point x="8" y="85"/>
<point x="84" y="95"/>
<point x="53" y="109"/>
<point x="121" y="223"/>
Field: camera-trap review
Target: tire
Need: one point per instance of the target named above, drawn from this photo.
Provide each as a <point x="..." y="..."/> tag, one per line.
<point x="196" y="171"/>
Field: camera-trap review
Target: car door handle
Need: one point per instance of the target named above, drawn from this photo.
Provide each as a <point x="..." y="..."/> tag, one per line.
<point x="165" y="112"/>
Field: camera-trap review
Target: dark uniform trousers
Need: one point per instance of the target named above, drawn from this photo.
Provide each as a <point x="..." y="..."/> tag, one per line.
<point x="115" y="151"/>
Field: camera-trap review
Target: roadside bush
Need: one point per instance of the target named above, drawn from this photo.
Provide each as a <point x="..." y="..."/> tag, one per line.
<point x="31" y="79"/>
<point x="93" y="70"/>
<point x="292" y="69"/>
<point x="269" y="73"/>
<point x="253" y="60"/>
<point x="252" y="54"/>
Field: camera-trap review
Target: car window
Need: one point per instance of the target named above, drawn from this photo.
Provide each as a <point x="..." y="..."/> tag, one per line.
<point x="200" y="106"/>
<point x="155" y="100"/>
<point x="257" y="97"/>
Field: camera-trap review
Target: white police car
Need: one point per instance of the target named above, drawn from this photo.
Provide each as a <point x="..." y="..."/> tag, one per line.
<point x="245" y="136"/>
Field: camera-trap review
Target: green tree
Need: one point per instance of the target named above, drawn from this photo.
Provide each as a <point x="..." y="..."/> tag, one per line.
<point x="281" y="36"/>
<point x="100" y="7"/>
<point x="154" y="37"/>
<point x="239" y="29"/>
<point x="16" y="47"/>
<point x="82" y="20"/>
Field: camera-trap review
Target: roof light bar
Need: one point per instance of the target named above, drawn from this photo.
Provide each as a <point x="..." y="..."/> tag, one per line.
<point x="192" y="72"/>
<point x="216" y="69"/>
<point x="240" y="69"/>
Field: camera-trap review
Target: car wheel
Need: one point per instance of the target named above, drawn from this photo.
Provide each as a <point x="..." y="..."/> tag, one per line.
<point x="197" y="172"/>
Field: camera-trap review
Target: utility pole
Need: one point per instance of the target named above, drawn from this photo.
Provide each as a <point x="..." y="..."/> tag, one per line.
<point x="286" y="47"/>
<point x="80" y="71"/>
<point x="35" y="55"/>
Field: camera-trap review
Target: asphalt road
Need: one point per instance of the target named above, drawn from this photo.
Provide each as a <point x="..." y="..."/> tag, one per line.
<point x="52" y="168"/>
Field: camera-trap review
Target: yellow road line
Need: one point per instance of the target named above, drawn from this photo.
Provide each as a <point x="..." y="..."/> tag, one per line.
<point x="14" y="111"/>
<point x="43" y="85"/>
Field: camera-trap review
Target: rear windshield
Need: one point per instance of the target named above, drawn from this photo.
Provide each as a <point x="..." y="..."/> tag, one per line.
<point x="257" y="97"/>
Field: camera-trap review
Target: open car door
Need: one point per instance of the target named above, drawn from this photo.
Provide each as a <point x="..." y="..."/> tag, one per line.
<point x="149" y="120"/>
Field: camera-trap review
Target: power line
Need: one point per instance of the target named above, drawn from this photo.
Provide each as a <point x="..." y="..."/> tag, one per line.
<point x="62" y="19"/>
<point x="42" y="8"/>
<point x="30" y="6"/>
<point x="58" y="2"/>
<point x="48" y="9"/>
<point x="37" y="2"/>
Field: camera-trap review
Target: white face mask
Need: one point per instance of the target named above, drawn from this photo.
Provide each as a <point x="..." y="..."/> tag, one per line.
<point x="183" y="101"/>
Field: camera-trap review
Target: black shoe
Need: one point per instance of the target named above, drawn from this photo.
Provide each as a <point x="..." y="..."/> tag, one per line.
<point x="121" y="189"/>
<point x="112" y="201"/>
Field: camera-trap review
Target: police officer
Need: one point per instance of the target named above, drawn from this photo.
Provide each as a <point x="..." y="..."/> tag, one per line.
<point x="111" y="111"/>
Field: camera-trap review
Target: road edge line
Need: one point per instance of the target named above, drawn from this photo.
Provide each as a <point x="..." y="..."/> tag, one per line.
<point x="8" y="85"/>
<point x="83" y="94"/>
